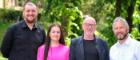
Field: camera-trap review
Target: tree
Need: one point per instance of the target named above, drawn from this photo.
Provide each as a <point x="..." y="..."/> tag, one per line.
<point x="130" y="11"/>
<point x="118" y="8"/>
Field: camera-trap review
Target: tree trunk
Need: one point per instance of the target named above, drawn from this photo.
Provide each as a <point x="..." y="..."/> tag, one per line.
<point x="130" y="11"/>
<point x="118" y="8"/>
<point x="65" y="24"/>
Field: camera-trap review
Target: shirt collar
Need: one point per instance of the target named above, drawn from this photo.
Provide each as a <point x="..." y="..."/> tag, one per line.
<point x="126" y="43"/>
<point x="24" y="25"/>
<point x="93" y="36"/>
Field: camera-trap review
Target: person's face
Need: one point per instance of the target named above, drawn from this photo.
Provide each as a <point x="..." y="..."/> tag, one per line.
<point x="89" y="26"/>
<point x="55" y="33"/>
<point x="30" y="13"/>
<point x="120" y="30"/>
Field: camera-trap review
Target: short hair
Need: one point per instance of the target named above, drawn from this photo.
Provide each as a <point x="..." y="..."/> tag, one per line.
<point x="88" y="17"/>
<point x="122" y="20"/>
<point x="28" y="3"/>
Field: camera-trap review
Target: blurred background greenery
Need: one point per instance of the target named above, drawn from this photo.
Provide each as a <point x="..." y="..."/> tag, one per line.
<point x="69" y="13"/>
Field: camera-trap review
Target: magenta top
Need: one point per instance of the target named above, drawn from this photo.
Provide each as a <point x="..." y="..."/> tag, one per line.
<point x="60" y="52"/>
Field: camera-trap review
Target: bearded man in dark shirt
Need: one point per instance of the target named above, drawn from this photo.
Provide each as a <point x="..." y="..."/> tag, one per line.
<point x="22" y="39"/>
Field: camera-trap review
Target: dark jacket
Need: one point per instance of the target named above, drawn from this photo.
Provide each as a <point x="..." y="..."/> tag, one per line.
<point x="77" y="49"/>
<point x="21" y="43"/>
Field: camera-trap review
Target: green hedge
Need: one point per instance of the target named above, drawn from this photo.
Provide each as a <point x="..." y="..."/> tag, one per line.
<point x="10" y="15"/>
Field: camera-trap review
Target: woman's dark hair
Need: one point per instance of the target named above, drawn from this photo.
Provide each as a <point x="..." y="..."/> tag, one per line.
<point x="48" y="39"/>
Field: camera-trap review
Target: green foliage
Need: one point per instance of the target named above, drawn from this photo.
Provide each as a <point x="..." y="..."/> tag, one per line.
<point x="103" y="11"/>
<point x="69" y="14"/>
<point x="64" y="12"/>
<point x="136" y="22"/>
<point x="10" y="15"/>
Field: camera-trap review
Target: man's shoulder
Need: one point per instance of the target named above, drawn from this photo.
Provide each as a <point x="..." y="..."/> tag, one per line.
<point x="14" y="26"/>
<point x="113" y="49"/>
<point x="40" y="27"/>
<point x="100" y="40"/>
<point x="113" y="46"/>
<point x="135" y="43"/>
<point x="76" y="40"/>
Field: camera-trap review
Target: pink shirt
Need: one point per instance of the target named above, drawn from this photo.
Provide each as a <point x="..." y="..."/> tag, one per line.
<point x="60" y="52"/>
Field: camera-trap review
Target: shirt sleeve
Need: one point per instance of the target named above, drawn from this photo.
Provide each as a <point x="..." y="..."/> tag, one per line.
<point x="106" y="51"/>
<point x="7" y="42"/>
<point x="110" y="54"/>
<point x="44" y="36"/>
<point x="40" y="53"/>
<point x="72" y="50"/>
<point x="137" y="54"/>
<point x="67" y="56"/>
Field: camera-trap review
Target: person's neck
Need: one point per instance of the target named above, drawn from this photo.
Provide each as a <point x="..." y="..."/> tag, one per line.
<point x="88" y="37"/>
<point x="54" y="43"/>
<point x="30" y="25"/>
<point x="123" y="40"/>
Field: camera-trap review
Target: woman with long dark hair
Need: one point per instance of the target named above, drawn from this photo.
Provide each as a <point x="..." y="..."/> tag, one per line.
<point x="54" y="47"/>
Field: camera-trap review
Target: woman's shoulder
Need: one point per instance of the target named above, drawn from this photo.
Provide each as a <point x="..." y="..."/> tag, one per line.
<point x="64" y="47"/>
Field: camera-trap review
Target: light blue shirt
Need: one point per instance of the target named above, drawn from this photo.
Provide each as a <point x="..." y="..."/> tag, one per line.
<point x="129" y="50"/>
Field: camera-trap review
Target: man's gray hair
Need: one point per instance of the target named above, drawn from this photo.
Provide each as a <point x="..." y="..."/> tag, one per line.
<point x="122" y="20"/>
<point x="86" y="17"/>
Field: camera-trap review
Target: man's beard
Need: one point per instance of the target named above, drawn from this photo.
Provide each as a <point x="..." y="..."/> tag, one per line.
<point x="122" y="37"/>
<point x="30" y="21"/>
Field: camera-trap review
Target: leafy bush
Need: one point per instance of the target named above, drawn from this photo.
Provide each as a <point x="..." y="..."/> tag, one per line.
<point x="10" y="15"/>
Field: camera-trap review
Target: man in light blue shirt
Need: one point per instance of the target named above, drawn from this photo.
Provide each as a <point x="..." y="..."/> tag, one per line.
<point x="126" y="48"/>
